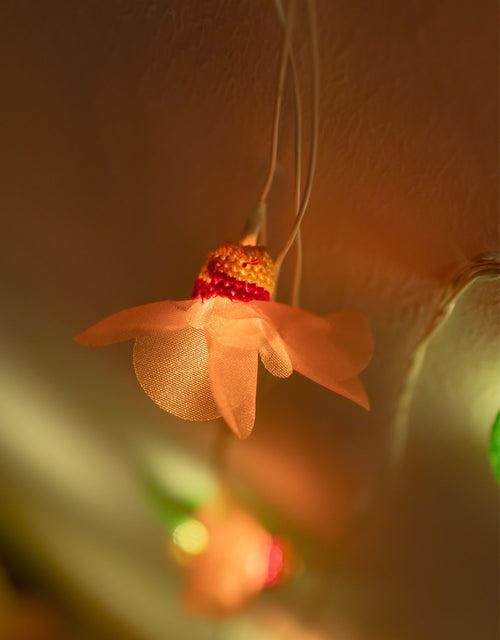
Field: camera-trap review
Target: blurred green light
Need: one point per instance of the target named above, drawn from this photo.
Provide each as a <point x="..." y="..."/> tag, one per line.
<point x="495" y="446"/>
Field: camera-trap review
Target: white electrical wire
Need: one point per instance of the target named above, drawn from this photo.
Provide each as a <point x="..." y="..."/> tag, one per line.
<point x="315" y="63"/>
<point x="288" y="23"/>
<point x="256" y="225"/>
<point x="297" y="273"/>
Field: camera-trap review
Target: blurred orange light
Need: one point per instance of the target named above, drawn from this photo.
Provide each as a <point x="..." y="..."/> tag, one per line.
<point x="240" y="559"/>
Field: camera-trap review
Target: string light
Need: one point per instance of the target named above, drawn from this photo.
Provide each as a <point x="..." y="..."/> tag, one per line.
<point x="198" y="358"/>
<point x="226" y="554"/>
<point x="240" y="559"/>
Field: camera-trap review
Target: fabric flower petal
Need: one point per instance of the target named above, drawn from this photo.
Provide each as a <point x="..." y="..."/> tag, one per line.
<point x="323" y="349"/>
<point x="172" y="368"/>
<point x="137" y="321"/>
<point x="240" y="324"/>
<point x="232" y="366"/>
<point x="273" y="352"/>
<point x="354" y="390"/>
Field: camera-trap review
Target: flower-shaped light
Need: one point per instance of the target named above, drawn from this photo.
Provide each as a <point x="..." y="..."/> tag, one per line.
<point x="228" y="558"/>
<point x="198" y="358"/>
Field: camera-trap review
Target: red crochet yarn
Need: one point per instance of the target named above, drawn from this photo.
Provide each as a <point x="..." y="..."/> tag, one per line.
<point x="228" y="287"/>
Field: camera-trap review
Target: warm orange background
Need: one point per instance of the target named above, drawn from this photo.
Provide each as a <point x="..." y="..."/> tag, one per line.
<point x="135" y="138"/>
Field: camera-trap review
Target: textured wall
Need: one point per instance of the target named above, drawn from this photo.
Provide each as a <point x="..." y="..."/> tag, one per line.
<point x="135" y="138"/>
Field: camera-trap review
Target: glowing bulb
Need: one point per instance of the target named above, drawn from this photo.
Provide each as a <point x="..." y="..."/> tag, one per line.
<point x="190" y="536"/>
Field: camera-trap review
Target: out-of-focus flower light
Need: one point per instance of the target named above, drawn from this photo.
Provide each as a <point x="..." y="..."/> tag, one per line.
<point x="239" y="558"/>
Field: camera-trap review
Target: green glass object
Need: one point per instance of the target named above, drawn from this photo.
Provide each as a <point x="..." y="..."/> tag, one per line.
<point x="495" y="446"/>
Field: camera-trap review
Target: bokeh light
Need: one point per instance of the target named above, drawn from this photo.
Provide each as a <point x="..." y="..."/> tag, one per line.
<point x="190" y="536"/>
<point x="240" y="558"/>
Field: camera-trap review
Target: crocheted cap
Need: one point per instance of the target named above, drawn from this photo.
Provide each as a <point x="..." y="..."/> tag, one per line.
<point x="236" y="271"/>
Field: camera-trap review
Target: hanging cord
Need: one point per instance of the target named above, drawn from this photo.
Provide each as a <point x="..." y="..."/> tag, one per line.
<point x="297" y="273"/>
<point x="256" y="224"/>
<point x="486" y="265"/>
<point x="315" y="63"/>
